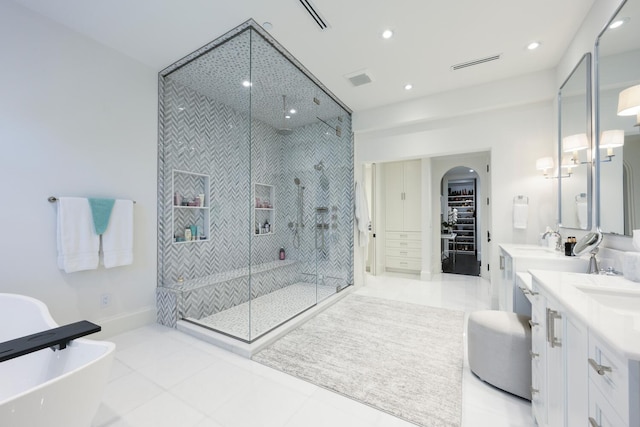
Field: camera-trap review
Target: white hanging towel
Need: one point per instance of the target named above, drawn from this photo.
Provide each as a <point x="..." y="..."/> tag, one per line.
<point x="78" y="243"/>
<point x="520" y="215"/>
<point x="362" y="215"/>
<point x="117" y="240"/>
<point x="583" y="216"/>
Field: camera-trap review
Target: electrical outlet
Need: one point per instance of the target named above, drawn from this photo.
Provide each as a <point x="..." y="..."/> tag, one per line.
<point x="105" y="300"/>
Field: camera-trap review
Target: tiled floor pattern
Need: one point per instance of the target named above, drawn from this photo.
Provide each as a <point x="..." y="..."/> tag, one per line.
<point x="266" y="312"/>
<point x="162" y="377"/>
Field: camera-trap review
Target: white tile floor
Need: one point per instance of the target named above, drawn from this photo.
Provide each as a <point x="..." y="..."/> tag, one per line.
<point x="162" y="377"/>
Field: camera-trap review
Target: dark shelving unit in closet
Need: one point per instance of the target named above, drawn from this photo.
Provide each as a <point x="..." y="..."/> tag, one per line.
<point x="462" y="196"/>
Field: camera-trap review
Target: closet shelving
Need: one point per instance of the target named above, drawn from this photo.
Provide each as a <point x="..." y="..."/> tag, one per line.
<point x="461" y="196"/>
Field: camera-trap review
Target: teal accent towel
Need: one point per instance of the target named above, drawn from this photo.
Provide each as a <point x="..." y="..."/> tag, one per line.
<point x="101" y="212"/>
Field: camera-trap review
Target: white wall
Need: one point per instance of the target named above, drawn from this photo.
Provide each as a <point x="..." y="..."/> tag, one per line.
<point x="76" y="119"/>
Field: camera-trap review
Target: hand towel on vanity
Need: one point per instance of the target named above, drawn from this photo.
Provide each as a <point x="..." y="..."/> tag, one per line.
<point x="583" y="215"/>
<point x="78" y="244"/>
<point x="117" y="240"/>
<point x="520" y="215"/>
<point x="631" y="266"/>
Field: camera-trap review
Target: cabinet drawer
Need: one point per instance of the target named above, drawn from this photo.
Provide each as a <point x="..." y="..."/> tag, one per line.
<point x="403" y="244"/>
<point x="403" y="252"/>
<point x="613" y="379"/>
<point x="600" y="410"/>
<point x="404" y="263"/>
<point x="404" y="235"/>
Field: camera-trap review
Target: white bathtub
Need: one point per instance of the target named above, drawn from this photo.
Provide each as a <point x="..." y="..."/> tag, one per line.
<point x="47" y="388"/>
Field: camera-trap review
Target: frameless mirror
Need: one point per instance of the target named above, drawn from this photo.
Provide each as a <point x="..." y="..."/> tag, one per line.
<point x="617" y="134"/>
<point x="574" y="147"/>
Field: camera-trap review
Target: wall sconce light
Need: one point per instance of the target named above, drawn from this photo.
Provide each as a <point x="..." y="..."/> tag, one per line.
<point x="545" y="164"/>
<point x="573" y="144"/>
<point x="629" y="103"/>
<point x="611" y="139"/>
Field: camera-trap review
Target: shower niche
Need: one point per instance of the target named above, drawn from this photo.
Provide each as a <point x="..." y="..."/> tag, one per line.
<point x="266" y="143"/>
<point x="263" y="211"/>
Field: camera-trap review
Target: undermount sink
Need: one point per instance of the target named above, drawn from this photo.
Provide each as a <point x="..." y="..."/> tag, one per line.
<point x="621" y="300"/>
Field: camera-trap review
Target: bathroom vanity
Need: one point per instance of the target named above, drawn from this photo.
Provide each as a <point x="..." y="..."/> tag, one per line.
<point x="585" y="349"/>
<point x="515" y="259"/>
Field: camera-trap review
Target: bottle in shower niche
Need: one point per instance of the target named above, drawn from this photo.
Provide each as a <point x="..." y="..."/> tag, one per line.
<point x="281" y="254"/>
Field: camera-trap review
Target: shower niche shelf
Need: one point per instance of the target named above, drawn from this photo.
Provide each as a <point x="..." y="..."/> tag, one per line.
<point x="263" y="211"/>
<point x="190" y="206"/>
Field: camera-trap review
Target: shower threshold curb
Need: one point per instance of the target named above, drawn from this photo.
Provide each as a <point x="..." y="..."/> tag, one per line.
<point x="249" y="349"/>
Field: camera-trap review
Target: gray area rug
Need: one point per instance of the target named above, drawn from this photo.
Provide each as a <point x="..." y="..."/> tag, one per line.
<point x="404" y="359"/>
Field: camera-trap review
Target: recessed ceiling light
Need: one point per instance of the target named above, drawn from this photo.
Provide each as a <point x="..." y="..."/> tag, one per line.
<point x="180" y="108"/>
<point x="408" y="86"/>
<point x="618" y="23"/>
<point x="471" y="170"/>
<point x="387" y="34"/>
<point x="287" y="116"/>
<point x="293" y="111"/>
<point x="246" y="83"/>
<point x="533" y="45"/>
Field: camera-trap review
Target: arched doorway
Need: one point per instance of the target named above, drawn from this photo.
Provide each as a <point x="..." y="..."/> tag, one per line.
<point x="460" y="219"/>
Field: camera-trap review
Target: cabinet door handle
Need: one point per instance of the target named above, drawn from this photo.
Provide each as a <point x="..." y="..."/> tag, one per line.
<point x="533" y="324"/>
<point x="534" y="390"/>
<point x="593" y="422"/>
<point x="600" y="369"/>
<point x="552" y="316"/>
<point x="403" y="252"/>
<point x="501" y="262"/>
<point x="533" y="355"/>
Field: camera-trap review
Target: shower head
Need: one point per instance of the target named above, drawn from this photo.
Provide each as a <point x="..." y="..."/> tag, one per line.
<point x="319" y="166"/>
<point x="284" y="130"/>
<point x="297" y="181"/>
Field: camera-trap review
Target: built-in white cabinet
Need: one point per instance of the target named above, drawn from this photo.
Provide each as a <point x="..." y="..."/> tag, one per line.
<point x="403" y="216"/>
<point x="403" y="202"/>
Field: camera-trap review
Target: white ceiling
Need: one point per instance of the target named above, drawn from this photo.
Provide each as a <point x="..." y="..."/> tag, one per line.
<point x="429" y="38"/>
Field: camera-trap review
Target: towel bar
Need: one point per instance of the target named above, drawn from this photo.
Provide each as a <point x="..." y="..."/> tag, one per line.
<point x="53" y="199"/>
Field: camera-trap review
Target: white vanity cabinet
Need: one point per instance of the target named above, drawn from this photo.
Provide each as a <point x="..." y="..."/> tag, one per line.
<point x="558" y="363"/>
<point x="609" y="386"/>
<point x="585" y="351"/>
<point x="520" y="258"/>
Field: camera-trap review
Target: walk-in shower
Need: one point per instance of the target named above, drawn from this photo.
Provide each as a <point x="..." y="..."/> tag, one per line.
<point x="247" y="171"/>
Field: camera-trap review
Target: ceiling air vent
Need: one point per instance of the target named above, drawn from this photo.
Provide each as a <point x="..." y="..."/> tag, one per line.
<point x="322" y="23"/>
<point x="359" y="78"/>
<point x="475" y="62"/>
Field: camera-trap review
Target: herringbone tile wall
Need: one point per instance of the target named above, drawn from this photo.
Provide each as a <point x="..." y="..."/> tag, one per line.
<point x="203" y="136"/>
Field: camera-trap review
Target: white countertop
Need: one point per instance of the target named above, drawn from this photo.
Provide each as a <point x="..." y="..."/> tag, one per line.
<point x="608" y="305"/>
<point x="533" y="251"/>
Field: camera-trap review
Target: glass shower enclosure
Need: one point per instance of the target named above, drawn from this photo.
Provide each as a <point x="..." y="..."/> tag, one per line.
<point x="255" y="168"/>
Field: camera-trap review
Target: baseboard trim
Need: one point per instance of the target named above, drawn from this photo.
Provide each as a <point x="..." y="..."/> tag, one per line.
<point x="125" y="322"/>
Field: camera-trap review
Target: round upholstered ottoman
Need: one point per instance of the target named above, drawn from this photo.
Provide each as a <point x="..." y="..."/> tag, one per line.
<point x="499" y="345"/>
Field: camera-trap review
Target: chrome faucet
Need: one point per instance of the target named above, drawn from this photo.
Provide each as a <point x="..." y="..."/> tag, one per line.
<point x="557" y="235"/>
